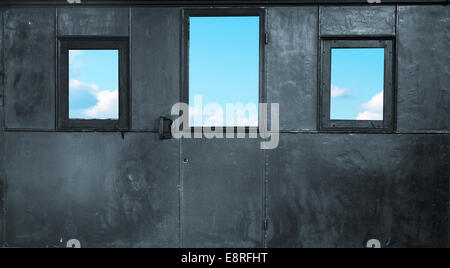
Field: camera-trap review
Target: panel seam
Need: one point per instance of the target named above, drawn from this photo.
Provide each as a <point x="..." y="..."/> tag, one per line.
<point x="264" y="176"/>
<point x="181" y="164"/>
<point x="56" y="65"/>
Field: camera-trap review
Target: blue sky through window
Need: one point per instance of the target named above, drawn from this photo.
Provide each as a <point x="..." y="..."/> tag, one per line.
<point x="223" y="69"/>
<point x="93" y="84"/>
<point x="357" y="83"/>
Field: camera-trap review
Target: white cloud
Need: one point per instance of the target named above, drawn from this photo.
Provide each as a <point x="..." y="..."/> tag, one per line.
<point x="107" y="106"/>
<point x="76" y="85"/>
<point x="73" y="54"/>
<point x="375" y="104"/>
<point x="337" y="92"/>
<point x="367" y="115"/>
<point x="75" y="63"/>
<point x="373" y="109"/>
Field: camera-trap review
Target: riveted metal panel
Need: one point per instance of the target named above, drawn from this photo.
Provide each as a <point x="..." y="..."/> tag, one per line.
<point x="93" y="21"/>
<point x="357" y="20"/>
<point x="341" y="190"/>
<point x="222" y="193"/>
<point x="424" y="68"/>
<point x="98" y="188"/>
<point x="29" y="49"/>
<point x="291" y="60"/>
<point x="155" y="59"/>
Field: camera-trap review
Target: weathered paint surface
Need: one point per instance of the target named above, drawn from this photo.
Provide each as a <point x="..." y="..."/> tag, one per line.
<point x="2" y="140"/>
<point x="316" y="189"/>
<point x="424" y="68"/>
<point x="291" y="64"/>
<point x="94" y="187"/>
<point x="29" y="49"/>
<point x="340" y="190"/>
<point x="222" y="193"/>
<point x="210" y="3"/>
<point x="359" y="20"/>
<point x="93" y="21"/>
<point x="155" y="71"/>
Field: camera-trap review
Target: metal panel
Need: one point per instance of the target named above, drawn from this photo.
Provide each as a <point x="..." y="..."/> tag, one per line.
<point x="424" y="68"/>
<point x="222" y="193"/>
<point x="215" y="2"/>
<point x="94" y="187"/>
<point x="324" y="190"/>
<point x="1" y="54"/>
<point x="2" y="183"/>
<point x="2" y="70"/>
<point x="2" y="139"/>
<point x="155" y="59"/>
<point x="341" y="190"/>
<point x="291" y="60"/>
<point x="30" y="68"/>
<point x="93" y="21"/>
<point x="362" y="20"/>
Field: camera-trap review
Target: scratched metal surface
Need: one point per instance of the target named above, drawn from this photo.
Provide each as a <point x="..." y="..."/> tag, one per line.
<point x="29" y="48"/>
<point x="216" y="2"/>
<point x="357" y="20"/>
<point x="2" y="140"/>
<point x="323" y="190"/>
<point x="291" y="65"/>
<point x="155" y="57"/>
<point x="423" y="54"/>
<point x="93" y="21"/>
<point x="98" y="188"/>
<point x="222" y="193"/>
<point x="340" y="190"/>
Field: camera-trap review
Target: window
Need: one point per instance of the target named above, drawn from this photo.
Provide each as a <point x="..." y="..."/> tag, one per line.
<point x="357" y="85"/>
<point x="93" y="90"/>
<point x="223" y="50"/>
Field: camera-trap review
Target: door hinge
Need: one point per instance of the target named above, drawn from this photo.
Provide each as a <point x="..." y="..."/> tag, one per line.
<point x="165" y="128"/>
<point x="266" y="38"/>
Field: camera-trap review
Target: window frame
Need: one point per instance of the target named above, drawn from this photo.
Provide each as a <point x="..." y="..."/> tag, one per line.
<point x="93" y="43"/>
<point x="326" y="123"/>
<point x="222" y="12"/>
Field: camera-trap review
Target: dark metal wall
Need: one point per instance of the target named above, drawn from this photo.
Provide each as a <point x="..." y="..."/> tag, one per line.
<point x="316" y="190"/>
<point x="2" y="137"/>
